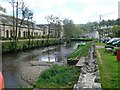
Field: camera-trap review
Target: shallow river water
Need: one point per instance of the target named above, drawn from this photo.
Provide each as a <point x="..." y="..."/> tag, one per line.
<point x="13" y="62"/>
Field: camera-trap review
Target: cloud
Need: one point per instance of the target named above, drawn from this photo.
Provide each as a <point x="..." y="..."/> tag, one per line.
<point x="86" y="10"/>
<point x="91" y="11"/>
<point x="45" y="4"/>
<point x="7" y="6"/>
<point x="86" y="2"/>
<point x="40" y="17"/>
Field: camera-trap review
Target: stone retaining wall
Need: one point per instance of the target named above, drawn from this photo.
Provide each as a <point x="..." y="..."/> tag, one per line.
<point x="89" y="76"/>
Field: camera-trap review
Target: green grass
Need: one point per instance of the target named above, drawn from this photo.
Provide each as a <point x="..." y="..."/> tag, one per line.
<point x="58" y="77"/>
<point x="108" y="69"/>
<point x="100" y="44"/>
<point x="23" y="45"/>
<point x="82" y="50"/>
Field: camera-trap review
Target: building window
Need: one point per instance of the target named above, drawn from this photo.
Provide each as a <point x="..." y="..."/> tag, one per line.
<point x="24" y="34"/>
<point x="43" y="31"/>
<point x="10" y="33"/>
<point x="35" y="33"/>
<point x="7" y="34"/>
<point x="19" y="33"/>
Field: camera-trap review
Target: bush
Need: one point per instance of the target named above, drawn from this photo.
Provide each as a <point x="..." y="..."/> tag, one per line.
<point x="23" y="45"/>
<point x="58" y="77"/>
<point x="115" y="51"/>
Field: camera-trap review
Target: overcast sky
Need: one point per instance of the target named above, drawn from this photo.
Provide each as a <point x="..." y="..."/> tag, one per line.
<point x="80" y="11"/>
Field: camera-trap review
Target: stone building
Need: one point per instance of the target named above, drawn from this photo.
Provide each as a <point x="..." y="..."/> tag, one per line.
<point x="6" y="28"/>
<point x="52" y="30"/>
<point x="44" y="28"/>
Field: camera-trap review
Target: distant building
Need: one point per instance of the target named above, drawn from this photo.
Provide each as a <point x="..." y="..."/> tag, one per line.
<point x="44" y="28"/>
<point x="94" y="34"/>
<point x="52" y="30"/>
<point x="6" y="28"/>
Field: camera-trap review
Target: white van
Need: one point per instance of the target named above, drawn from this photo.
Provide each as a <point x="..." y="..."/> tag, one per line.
<point x="113" y="40"/>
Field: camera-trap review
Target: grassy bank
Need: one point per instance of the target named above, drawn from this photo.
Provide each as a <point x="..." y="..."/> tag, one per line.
<point x="58" y="77"/>
<point x="23" y="45"/>
<point x="81" y="50"/>
<point x="100" y="44"/>
<point x="108" y="67"/>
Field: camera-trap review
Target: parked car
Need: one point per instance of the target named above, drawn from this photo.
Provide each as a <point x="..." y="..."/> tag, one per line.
<point x="112" y="41"/>
<point x="117" y="43"/>
<point x="106" y="40"/>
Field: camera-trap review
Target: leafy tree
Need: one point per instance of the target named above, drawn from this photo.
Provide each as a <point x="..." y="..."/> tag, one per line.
<point x="68" y="26"/>
<point x="117" y="22"/>
<point x="2" y="9"/>
<point x="70" y="29"/>
<point x="116" y="30"/>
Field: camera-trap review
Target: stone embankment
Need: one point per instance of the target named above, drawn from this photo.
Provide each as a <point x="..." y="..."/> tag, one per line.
<point x="89" y="76"/>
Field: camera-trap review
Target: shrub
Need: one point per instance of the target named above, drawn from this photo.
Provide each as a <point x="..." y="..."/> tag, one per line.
<point x="58" y="77"/>
<point x="115" y="51"/>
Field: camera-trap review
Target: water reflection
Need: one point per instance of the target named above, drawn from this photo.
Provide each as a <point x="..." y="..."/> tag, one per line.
<point x="13" y="62"/>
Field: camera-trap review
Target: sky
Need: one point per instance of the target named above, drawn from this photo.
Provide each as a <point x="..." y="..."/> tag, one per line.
<point x="80" y="11"/>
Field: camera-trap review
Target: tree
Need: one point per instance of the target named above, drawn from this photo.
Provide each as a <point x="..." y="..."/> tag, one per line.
<point x="116" y="30"/>
<point x="30" y="16"/>
<point x="12" y="2"/>
<point x="70" y="29"/>
<point x="57" y="26"/>
<point x="49" y="19"/>
<point x="117" y="22"/>
<point x="78" y="31"/>
<point x="2" y="9"/>
<point x="26" y="13"/>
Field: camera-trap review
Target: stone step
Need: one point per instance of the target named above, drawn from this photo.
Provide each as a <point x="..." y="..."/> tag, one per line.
<point x="80" y="63"/>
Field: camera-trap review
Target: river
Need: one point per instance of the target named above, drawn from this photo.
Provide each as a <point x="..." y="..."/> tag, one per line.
<point x="12" y="63"/>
